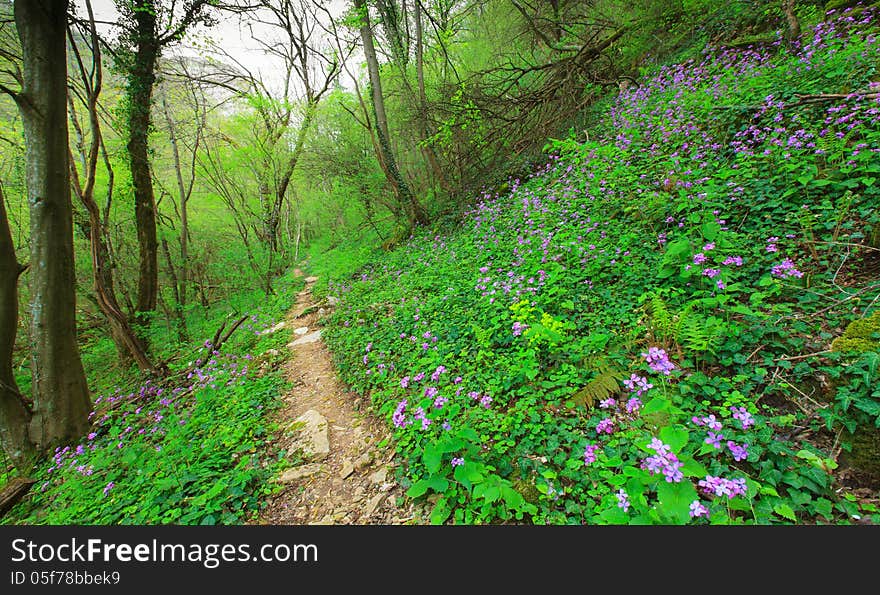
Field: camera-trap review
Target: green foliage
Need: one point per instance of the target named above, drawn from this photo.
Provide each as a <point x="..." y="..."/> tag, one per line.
<point x="188" y="451"/>
<point x="700" y="223"/>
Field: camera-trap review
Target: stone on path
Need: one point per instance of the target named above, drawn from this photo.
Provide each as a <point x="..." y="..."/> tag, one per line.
<point x="347" y="469"/>
<point x="301" y="330"/>
<point x="310" y="338"/>
<point x="313" y="438"/>
<point x="363" y="460"/>
<point x="373" y="504"/>
<point x="311" y="279"/>
<point x="300" y="472"/>
<point x="274" y="329"/>
<point x="380" y="475"/>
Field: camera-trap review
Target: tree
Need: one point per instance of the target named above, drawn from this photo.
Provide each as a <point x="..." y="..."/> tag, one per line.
<point x="15" y="411"/>
<point x="61" y="401"/>
<point x="127" y="343"/>
<point x="415" y="212"/>
<point x="143" y="44"/>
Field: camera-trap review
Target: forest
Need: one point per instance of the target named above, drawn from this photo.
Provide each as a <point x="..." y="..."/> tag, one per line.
<point x="545" y="262"/>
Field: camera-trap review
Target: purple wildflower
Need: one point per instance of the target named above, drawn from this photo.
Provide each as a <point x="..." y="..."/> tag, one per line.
<point x="622" y="499"/>
<point x="590" y="453"/>
<point x="606" y="426"/>
<point x="786" y="269"/>
<point x="456" y="461"/>
<point x="608" y="403"/>
<point x="698" y="510"/>
<point x="399" y="417"/>
<point x="714" y="439"/>
<point x="658" y="360"/>
<point x="743" y="416"/>
<point x="739" y="452"/>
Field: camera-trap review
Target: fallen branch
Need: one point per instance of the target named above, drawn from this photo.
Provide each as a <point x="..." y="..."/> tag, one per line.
<point x="785" y="358"/>
<point x="14" y="491"/>
<point x="220" y="338"/>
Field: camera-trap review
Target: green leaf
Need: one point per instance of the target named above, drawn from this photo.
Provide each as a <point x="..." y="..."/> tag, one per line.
<point x="691" y="468"/>
<point x="511" y="497"/>
<point x="655" y="405"/>
<point x="491" y="493"/>
<point x="675" y="436"/>
<point x="441" y="512"/>
<point x="432" y="458"/>
<point x="785" y="511"/>
<point x="438" y="483"/>
<point x="710" y="230"/>
<point x="675" y="500"/>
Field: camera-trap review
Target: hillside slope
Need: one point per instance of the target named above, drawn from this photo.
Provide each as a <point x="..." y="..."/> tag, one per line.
<point x="643" y="331"/>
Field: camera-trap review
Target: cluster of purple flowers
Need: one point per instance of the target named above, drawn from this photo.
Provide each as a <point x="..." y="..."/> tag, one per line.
<point x="622" y="499"/>
<point x="590" y="453"/>
<point x="720" y="486"/>
<point x="663" y="461"/>
<point x="518" y="328"/>
<point x="786" y="268"/>
<point x="658" y="360"/>
<point x="743" y="416"/>
<point x="420" y="415"/>
<point x="697" y="510"/>
<point x="707" y="420"/>
<point x="733" y="260"/>
<point x="605" y="426"/>
<point x="740" y="453"/>
<point x="638" y="384"/>
<point x="399" y="416"/>
<point x="714" y="439"/>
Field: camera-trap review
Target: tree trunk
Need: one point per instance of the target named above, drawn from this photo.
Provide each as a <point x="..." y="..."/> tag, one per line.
<point x="281" y="191"/>
<point x="427" y="148"/>
<point x="794" y="25"/>
<point x="128" y="346"/>
<point x="182" y="279"/>
<point x="14" y="413"/>
<point x="415" y="213"/>
<point x="60" y="392"/>
<point x="141" y="79"/>
<point x="182" y="335"/>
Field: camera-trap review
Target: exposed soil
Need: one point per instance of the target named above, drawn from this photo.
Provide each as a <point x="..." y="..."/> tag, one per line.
<point x="354" y="483"/>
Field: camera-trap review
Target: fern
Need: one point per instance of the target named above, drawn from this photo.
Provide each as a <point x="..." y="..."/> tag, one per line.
<point x="605" y="383"/>
<point x="661" y="319"/>
<point x="698" y="334"/>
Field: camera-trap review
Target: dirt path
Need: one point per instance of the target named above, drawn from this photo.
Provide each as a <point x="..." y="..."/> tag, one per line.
<point x="346" y="478"/>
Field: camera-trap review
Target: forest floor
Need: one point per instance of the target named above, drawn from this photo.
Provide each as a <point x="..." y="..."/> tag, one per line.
<point x="343" y="469"/>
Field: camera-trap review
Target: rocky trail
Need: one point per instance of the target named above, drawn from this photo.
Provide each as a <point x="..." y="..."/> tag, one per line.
<point x="341" y="474"/>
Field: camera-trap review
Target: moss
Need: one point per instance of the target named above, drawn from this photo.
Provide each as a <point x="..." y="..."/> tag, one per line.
<point x="860" y="336"/>
<point x="527" y="490"/>
<point x="865" y="454"/>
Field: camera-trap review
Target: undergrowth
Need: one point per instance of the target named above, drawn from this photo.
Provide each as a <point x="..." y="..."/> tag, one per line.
<point x="640" y="331"/>
<point x="188" y="449"/>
